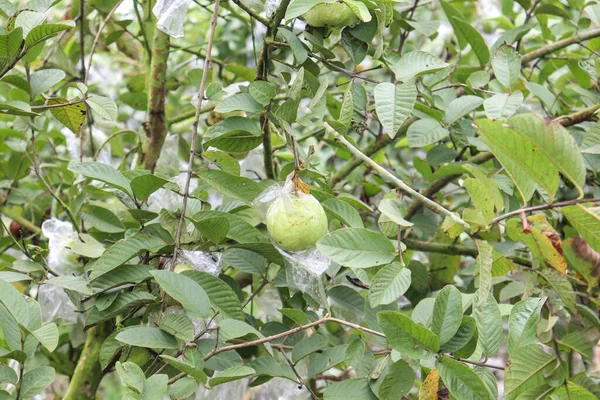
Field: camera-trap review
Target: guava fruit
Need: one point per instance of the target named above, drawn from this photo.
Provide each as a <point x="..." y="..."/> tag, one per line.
<point x="333" y="15"/>
<point x="296" y="223"/>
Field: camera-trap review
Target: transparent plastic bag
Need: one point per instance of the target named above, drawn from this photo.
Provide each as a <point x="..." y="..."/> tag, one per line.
<point x="171" y="15"/>
<point x="56" y="306"/>
<point x="271" y="6"/>
<point x="61" y="235"/>
<point x="198" y="260"/>
<point x="295" y="221"/>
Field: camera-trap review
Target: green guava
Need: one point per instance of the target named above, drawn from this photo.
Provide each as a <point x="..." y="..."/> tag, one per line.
<point x="296" y="224"/>
<point x="333" y="15"/>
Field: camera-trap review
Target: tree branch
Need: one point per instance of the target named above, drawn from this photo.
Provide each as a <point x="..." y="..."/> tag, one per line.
<point x="543" y="207"/>
<point x="186" y="190"/>
<point x="397" y="182"/>
<point x="155" y="125"/>
<point x="88" y="373"/>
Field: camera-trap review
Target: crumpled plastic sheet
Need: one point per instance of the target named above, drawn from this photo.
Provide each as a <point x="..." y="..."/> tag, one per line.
<point x="234" y="390"/>
<point x="271" y="6"/>
<point x="171" y="15"/>
<point x="60" y="235"/>
<point x="268" y="305"/>
<point x="201" y="261"/>
<point x="74" y="146"/>
<point x="56" y="306"/>
<point x="280" y="389"/>
<point x="303" y="268"/>
<point x="169" y="162"/>
<point x="253" y="166"/>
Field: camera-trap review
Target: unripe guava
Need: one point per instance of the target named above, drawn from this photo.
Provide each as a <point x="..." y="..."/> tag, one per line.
<point x="297" y="223"/>
<point x="332" y="15"/>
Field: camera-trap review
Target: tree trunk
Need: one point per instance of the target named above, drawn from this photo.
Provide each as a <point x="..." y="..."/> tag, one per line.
<point x="156" y="123"/>
<point x="88" y="373"/>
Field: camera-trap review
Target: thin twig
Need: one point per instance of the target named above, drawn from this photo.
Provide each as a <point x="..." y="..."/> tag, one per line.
<point x="186" y="191"/>
<point x="399" y="183"/>
<point x="544" y="207"/>
<point x="293" y="367"/>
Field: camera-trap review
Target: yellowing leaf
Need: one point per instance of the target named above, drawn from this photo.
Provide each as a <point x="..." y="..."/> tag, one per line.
<point x="431" y="384"/>
<point x="72" y="116"/>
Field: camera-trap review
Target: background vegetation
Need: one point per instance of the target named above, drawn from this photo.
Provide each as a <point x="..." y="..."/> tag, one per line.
<point x="453" y="145"/>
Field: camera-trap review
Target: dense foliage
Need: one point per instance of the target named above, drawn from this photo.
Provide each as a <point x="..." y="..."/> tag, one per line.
<point x="449" y="150"/>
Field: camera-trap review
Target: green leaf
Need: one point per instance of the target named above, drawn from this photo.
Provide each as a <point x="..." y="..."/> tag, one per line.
<point x="299" y="7"/>
<point x="526" y="370"/>
<point x="489" y="324"/>
<point x="35" y="381"/>
<point x="580" y="342"/>
<point x="507" y="65"/>
<point x="72" y="116"/>
<point x="343" y="211"/>
<point x="145" y="336"/>
<point x="587" y="222"/>
<point x="192" y="365"/>
<point x="234" y="134"/>
<point x="46" y="31"/>
<point x="238" y="229"/>
<point x="8" y="375"/>
<point x="75" y="283"/>
<point x="16" y="107"/>
<point x="454" y="15"/>
<point x="349" y="389"/>
<point x="103" y="106"/>
<point x="132" y="375"/>
<point x="460" y="107"/>
<point x="101" y="219"/>
<point x="186" y="291"/>
<point x="11" y="44"/>
<point x="309" y="345"/>
<point x="14" y="302"/>
<point x="42" y="80"/>
<point x="502" y="105"/>
<point x="223" y="160"/>
<point x="405" y="335"/>
<point x="398" y="381"/>
<point x="388" y="284"/>
<point x="534" y="152"/>
<point x="561" y="286"/>
<point x="213" y="227"/>
<point x="123" y="251"/>
<point x="297" y="47"/>
<point x="347" y="108"/>
<point x="244" y="260"/>
<point x="183" y="388"/>
<point x="156" y="387"/>
<point x="483" y="266"/>
<point x="267" y="366"/>
<point x="10" y="276"/>
<point x="221" y="295"/>
<point x="474" y="38"/>
<point x="103" y="173"/>
<point x="359" y="9"/>
<point x="447" y="313"/>
<point x="348" y="298"/>
<point x="239" y="102"/>
<point x="393" y="104"/>
<point x="523" y="323"/>
<point x="463" y="336"/>
<point x="47" y="335"/>
<point x="178" y="325"/>
<point x="395" y="211"/>
<point x="237" y="187"/>
<point x="144" y="185"/>
<point x="357" y="248"/>
<point x="462" y="382"/>
<point x="414" y="63"/>
<point x="231" y="374"/>
<point x="425" y="132"/>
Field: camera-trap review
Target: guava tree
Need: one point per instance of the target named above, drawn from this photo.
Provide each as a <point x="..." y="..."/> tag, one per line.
<point x="306" y="199"/>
